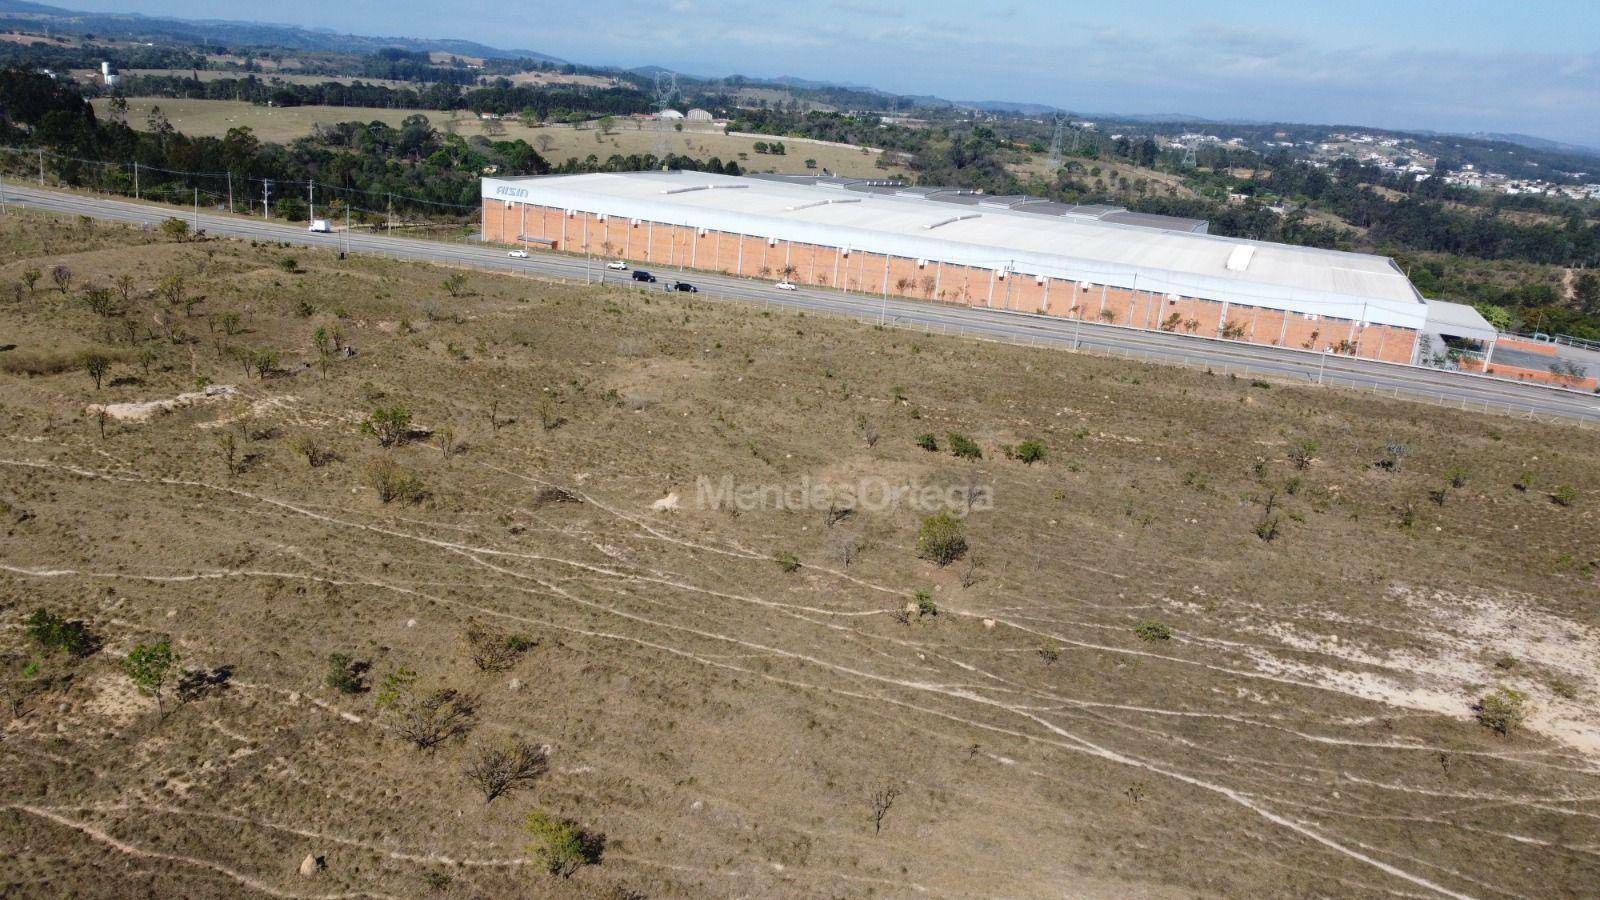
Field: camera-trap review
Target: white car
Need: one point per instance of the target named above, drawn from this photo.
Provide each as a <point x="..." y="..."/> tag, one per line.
<point x="786" y="286"/>
<point x="518" y="254"/>
<point x="619" y="265"/>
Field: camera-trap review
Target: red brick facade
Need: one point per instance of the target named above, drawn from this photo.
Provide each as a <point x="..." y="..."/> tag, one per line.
<point x="654" y="243"/>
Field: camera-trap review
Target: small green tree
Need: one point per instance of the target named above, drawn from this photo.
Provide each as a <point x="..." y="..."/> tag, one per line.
<point x="149" y="666"/>
<point x="556" y="845"/>
<point x="96" y="364"/>
<point x="1152" y="630"/>
<point x="346" y="674"/>
<point x="1503" y="710"/>
<point x="1030" y="452"/>
<point x="455" y="284"/>
<point x="941" y="538"/>
<point x="928" y="442"/>
<point x="964" y="447"/>
<point x="390" y="425"/>
<point x="31" y="278"/>
<point x="53" y="632"/>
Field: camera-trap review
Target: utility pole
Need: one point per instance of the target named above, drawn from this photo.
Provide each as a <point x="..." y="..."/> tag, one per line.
<point x="136" y="180"/>
<point x="311" y="194"/>
<point x="266" y="194"/>
<point x="196" y="210"/>
<point x="346" y="228"/>
<point x="2" y="194"/>
<point x="41" y="167"/>
<point x="390" y="198"/>
<point x="230" y="193"/>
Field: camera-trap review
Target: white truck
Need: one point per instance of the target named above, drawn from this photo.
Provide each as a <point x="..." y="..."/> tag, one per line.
<point x="321" y="226"/>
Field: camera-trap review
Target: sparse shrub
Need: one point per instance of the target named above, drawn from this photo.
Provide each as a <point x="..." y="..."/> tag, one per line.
<point x="1502" y="710"/>
<point x="1456" y="476"/>
<point x="175" y="229"/>
<point x="394" y="685"/>
<point x="311" y="447"/>
<point x="228" y="446"/>
<point x="393" y="481"/>
<point x="62" y="276"/>
<point x="31" y="278"/>
<point x="787" y="561"/>
<point x="54" y="632"/>
<point x="882" y="801"/>
<point x="1393" y="456"/>
<point x="556" y="845"/>
<point x="925" y="605"/>
<point x="1302" y="452"/>
<point x="941" y="538"/>
<point x="390" y="425"/>
<point x="500" y="767"/>
<point x="1564" y="495"/>
<point x="455" y="284"/>
<point x="427" y="720"/>
<point x="1267" y="528"/>
<point x="494" y="650"/>
<point x="346" y="674"/>
<point x="964" y="447"/>
<point x="1152" y="630"/>
<point x="148" y="666"/>
<point x="928" y="442"/>
<point x="845" y="546"/>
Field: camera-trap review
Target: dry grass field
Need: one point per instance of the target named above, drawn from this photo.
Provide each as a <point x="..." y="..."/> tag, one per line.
<point x="1185" y="654"/>
<point x="555" y="142"/>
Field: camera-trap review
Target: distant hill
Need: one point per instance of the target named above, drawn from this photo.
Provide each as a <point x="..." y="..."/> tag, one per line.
<point x="1535" y="143"/>
<point x="22" y="15"/>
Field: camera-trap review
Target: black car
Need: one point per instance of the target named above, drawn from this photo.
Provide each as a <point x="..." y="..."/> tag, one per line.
<point x="642" y="275"/>
<point x="686" y="287"/>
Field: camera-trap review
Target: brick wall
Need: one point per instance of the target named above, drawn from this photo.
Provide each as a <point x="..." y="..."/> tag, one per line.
<point x="659" y="244"/>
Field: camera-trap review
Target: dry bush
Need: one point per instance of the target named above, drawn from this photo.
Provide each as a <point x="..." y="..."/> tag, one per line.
<point x="427" y="720"/>
<point x="393" y="482"/>
<point x="494" y="650"/>
<point x="497" y="768"/>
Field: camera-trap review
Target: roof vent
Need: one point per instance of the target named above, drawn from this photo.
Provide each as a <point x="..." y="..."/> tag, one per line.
<point x="1239" y="259"/>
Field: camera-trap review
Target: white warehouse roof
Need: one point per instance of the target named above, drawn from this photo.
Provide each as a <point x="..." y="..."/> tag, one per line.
<point x="1277" y="276"/>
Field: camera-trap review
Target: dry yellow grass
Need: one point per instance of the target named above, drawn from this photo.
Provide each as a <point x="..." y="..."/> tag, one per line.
<point x="556" y="142"/>
<point x="1131" y="693"/>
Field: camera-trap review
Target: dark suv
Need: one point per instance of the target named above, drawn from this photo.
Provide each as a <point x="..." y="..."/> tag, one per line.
<point x="642" y="275"/>
<point x="686" y="287"/>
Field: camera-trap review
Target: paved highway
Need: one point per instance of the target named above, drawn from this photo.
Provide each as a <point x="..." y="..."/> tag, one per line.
<point x="1429" y="385"/>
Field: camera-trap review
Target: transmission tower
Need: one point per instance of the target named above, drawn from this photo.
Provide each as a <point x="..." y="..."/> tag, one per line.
<point x="1188" y="156"/>
<point x="1055" y="146"/>
<point x="666" y="90"/>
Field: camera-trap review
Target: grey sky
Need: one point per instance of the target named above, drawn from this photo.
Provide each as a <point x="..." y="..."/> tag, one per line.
<point x="1457" y="66"/>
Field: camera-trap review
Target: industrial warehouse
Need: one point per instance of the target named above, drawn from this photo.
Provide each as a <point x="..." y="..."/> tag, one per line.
<point x="1022" y="254"/>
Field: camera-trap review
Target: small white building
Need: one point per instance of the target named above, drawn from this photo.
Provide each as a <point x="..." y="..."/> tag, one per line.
<point x="669" y="114"/>
<point x="698" y="115"/>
